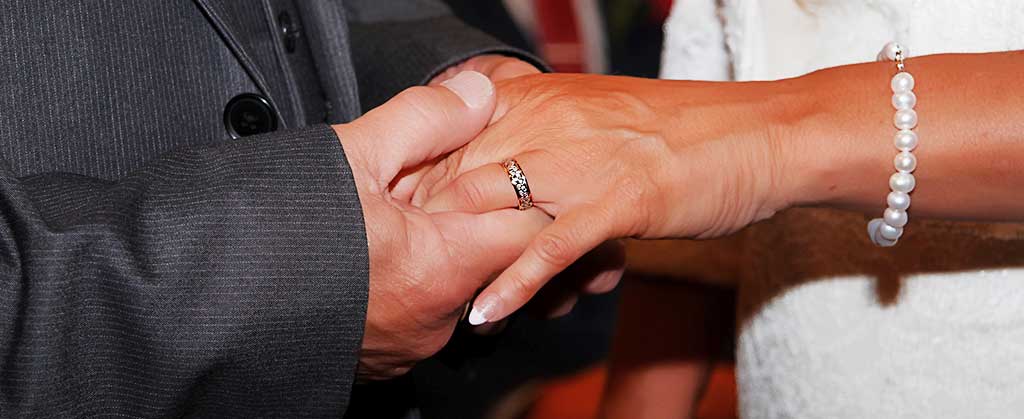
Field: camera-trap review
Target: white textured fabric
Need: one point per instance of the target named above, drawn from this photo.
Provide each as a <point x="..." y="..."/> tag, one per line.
<point x="952" y="344"/>
<point x="772" y="39"/>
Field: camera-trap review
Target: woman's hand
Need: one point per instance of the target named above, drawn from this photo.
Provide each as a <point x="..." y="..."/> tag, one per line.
<point x="598" y="272"/>
<point x="423" y="267"/>
<point x="613" y="157"/>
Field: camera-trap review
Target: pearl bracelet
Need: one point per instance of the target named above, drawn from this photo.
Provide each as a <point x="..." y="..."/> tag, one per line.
<point x="886" y="231"/>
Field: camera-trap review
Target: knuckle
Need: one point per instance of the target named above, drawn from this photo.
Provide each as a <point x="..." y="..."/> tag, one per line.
<point x="471" y="194"/>
<point x="555" y="250"/>
<point x="633" y="189"/>
<point x="415" y="94"/>
<point x="423" y="107"/>
<point x="639" y="189"/>
<point x="520" y="288"/>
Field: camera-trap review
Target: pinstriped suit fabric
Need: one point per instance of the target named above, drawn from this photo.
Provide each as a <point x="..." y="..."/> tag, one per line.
<point x="149" y="265"/>
<point x="227" y="279"/>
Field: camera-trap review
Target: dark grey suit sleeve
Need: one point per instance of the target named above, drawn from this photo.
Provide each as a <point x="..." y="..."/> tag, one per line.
<point x="397" y="44"/>
<point x="226" y="281"/>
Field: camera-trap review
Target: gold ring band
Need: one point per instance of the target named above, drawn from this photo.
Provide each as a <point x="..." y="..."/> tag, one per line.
<point x="519" y="184"/>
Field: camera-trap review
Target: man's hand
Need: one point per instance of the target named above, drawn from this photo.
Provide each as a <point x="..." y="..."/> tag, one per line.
<point x="423" y="268"/>
<point x="495" y="67"/>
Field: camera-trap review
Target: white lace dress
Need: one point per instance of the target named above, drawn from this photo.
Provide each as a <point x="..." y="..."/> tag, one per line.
<point x="830" y="326"/>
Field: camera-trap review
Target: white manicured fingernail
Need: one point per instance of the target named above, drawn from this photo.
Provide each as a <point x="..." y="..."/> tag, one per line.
<point x="476" y="318"/>
<point x="485" y="309"/>
<point x="473" y="88"/>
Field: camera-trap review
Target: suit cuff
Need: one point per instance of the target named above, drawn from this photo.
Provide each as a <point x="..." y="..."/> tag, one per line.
<point x="312" y="237"/>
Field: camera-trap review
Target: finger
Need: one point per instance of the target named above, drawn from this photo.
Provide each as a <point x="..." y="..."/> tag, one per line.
<point x="605" y="282"/>
<point x="559" y="245"/>
<point x="404" y="185"/>
<point x="496" y="67"/>
<point x="491" y="146"/>
<point x="423" y="122"/>
<point x="512" y="68"/>
<point x="609" y="265"/>
<point x="597" y="272"/>
<point x="553" y="297"/>
<point x="480" y="190"/>
<point x="566" y="306"/>
<point x="488" y="188"/>
<point x="484" y="244"/>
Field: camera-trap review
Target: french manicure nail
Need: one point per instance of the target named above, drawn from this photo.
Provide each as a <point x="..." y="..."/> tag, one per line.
<point x="473" y="88"/>
<point x="476" y="318"/>
<point x="483" y="310"/>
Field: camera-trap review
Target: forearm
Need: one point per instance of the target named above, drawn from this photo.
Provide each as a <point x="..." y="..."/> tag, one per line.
<point x="838" y="144"/>
<point x="241" y="262"/>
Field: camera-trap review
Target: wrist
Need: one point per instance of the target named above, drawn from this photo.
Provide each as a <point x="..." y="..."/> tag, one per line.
<point x="759" y="126"/>
<point x="836" y="140"/>
<point x="795" y="134"/>
<point x="725" y="140"/>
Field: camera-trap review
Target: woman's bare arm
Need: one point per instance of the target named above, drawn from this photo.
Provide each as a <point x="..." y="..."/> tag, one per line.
<point x="613" y="157"/>
<point x="971" y="153"/>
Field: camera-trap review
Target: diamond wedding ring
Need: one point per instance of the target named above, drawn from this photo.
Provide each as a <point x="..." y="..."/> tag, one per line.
<point x="519" y="183"/>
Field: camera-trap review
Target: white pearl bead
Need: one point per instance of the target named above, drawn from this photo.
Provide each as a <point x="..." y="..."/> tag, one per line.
<point x="904" y="100"/>
<point x="898" y="200"/>
<point x="873" y="232"/>
<point x="889" y="51"/>
<point x="906" y="140"/>
<point x="902" y="182"/>
<point x="905" y="119"/>
<point x="895" y="217"/>
<point x="905" y="162"/>
<point x="889" y="232"/>
<point x="902" y="82"/>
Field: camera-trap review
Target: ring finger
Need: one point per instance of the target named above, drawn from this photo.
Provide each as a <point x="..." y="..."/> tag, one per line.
<point x="489" y="187"/>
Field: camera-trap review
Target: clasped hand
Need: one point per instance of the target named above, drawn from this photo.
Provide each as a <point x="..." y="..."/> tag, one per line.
<point x="425" y="268"/>
<point x="606" y="158"/>
<point x="612" y="157"/>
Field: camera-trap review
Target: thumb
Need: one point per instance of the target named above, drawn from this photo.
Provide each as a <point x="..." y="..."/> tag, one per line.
<point x="419" y="124"/>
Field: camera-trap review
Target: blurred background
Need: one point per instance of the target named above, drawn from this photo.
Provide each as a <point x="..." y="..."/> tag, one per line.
<point x="662" y="340"/>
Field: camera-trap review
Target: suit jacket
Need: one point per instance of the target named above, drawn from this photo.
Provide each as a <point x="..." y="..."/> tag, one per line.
<point x="151" y="263"/>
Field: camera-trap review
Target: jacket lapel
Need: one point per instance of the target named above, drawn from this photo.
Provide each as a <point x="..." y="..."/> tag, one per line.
<point x="249" y="31"/>
<point x="327" y="31"/>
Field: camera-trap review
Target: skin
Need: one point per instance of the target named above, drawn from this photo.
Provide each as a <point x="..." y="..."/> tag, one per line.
<point x="598" y="272"/>
<point x="423" y="268"/>
<point x="495" y="67"/>
<point x="613" y="157"/>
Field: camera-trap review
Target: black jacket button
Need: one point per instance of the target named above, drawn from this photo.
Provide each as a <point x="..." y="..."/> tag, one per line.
<point x="249" y="114"/>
